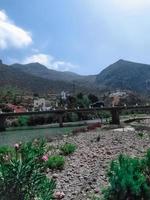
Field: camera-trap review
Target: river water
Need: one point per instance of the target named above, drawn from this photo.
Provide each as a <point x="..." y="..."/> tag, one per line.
<point x="14" y="136"/>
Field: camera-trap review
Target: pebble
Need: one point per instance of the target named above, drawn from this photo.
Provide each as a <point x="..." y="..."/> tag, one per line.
<point x="85" y="170"/>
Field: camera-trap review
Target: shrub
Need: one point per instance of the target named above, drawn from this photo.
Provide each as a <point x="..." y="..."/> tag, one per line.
<point x="22" y="178"/>
<point x="5" y="153"/>
<point x="71" y="117"/>
<point x="56" y="162"/>
<point x="23" y="120"/>
<point x="68" y="148"/>
<point x="146" y="165"/>
<point x="33" y="150"/>
<point x="127" y="180"/>
<point x="5" y="150"/>
<point x="95" y="198"/>
<point x="141" y="134"/>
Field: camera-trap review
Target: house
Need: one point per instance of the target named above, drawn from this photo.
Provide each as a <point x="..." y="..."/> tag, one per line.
<point x="63" y="95"/>
<point x="17" y="109"/>
<point x="40" y="104"/>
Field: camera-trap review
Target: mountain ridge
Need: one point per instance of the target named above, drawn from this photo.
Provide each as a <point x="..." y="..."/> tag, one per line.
<point x="123" y="75"/>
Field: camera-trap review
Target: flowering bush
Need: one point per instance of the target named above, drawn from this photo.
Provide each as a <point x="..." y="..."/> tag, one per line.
<point x="59" y="195"/>
<point x="45" y="158"/>
<point x="22" y="177"/>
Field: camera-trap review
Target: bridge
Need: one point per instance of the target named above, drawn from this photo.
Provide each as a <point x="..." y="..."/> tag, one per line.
<point x="115" y="113"/>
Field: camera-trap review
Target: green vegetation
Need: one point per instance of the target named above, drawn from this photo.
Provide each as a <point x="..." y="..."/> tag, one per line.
<point x="68" y="148"/>
<point x="22" y="175"/>
<point x="23" y="120"/>
<point x="104" y="114"/>
<point x="95" y="198"/>
<point x="29" y="77"/>
<point x="9" y="93"/>
<point x="129" y="178"/>
<point x="5" y="150"/>
<point x="141" y="134"/>
<point x="81" y="100"/>
<point x="115" y="76"/>
<point x="71" y="117"/>
<point x="56" y="162"/>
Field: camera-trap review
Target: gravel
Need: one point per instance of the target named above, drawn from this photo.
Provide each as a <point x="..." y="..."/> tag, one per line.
<point x="85" y="170"/>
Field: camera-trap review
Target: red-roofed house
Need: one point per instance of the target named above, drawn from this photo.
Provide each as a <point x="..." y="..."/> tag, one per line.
<point x="17" y="109"/>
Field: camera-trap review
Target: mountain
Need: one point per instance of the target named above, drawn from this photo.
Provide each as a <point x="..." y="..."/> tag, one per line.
<point x="42" y="71"/>
<point x="38" y="70"/>
<point x="36" y="78"/>
<point x="125" y="75"/>
<point x="10" y="76"/>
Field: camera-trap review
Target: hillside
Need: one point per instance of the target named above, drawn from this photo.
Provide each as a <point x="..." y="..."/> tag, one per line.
<point x="125" y="75"/>
<point x="42" y="71"/>
<point x="39" y="70"/>
<point x="27" y="82"/>
<point x="36" y="78"/>
<point x="70" y="79"/>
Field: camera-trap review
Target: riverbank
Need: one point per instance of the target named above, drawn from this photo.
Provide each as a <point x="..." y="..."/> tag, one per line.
<point x="85" y="171"/>
<point x="14" y="136"/>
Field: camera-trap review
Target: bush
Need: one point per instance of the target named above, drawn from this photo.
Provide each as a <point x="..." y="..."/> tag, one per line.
<point x="56" y="162"/>
<point x="68" y="148"/>
<point x="5" y="153"/>
<point x="22" y="177"/>
<point x="141" y="134"/>
<point x="23" y="120"/>
<point x="5" y="150"/>
<point x="33" y="150"/>
<point x="128" y="180"/>
<point x="146" y="164"/>
<point x="71" y="117"/>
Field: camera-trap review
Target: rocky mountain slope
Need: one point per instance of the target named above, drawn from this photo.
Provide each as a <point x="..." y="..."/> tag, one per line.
<point x="42" y="71"/>
<point x="29" y="82"/>
<point x="125" y="75"/>
<point x="36" y="78"/>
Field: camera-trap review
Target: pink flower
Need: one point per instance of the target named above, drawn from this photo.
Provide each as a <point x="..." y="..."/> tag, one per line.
<point x="59" y="195"/>
<point x="96" y="190"/>
<point x="16" y="146"/>
<point x="45" y="158"/>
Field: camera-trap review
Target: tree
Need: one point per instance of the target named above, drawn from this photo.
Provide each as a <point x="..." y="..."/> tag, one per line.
<point x="80" y="95"/>
<point x="71" y="102"/>
<point x="93" y="98"/>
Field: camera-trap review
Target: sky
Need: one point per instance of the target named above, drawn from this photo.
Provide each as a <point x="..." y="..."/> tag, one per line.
<point x="83" y="36"/>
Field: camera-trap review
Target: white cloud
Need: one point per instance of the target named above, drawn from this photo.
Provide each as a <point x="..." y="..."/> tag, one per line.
<point x="132" y="5"/>
<point x="12" y="35"/>
<point x="50" y="62"/>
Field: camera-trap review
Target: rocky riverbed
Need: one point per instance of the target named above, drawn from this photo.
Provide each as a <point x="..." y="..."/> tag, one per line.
<point x="84" y="173"/>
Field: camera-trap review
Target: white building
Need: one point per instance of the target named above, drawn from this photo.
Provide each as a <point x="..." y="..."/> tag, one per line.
<point x="40" y="104"/>
<point x="63" y="95"/>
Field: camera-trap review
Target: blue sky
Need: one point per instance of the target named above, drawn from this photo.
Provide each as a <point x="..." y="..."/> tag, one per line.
<point x="83" y="36"/>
